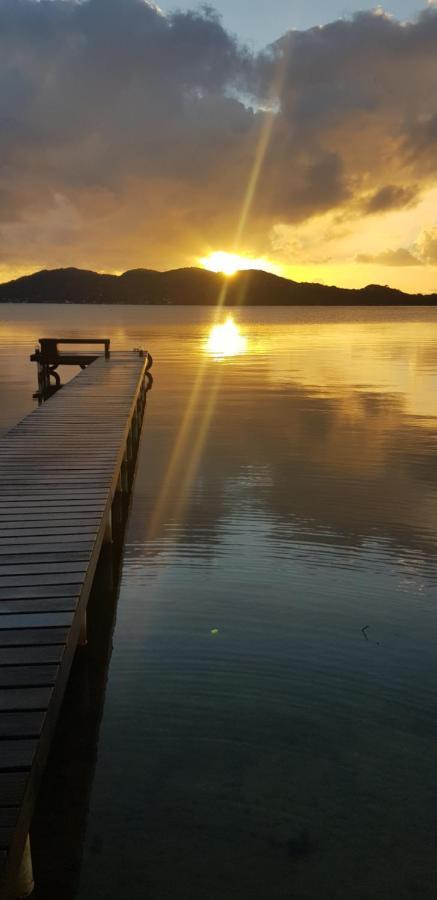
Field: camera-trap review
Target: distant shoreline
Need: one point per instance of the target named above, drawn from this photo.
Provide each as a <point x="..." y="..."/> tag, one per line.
<point x="371" y="304"/>
<point x="195" y="287"/>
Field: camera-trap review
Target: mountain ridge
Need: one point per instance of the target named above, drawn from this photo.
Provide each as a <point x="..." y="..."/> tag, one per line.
<point x="194" y="286"/>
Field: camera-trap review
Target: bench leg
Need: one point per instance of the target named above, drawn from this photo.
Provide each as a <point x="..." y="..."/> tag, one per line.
<point x="25" y="883"/>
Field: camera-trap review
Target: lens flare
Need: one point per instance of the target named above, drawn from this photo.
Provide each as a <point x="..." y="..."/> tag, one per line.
<point x="226" y="340"/>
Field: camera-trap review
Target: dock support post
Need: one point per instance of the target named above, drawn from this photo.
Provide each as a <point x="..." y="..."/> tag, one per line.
<point x="129" y="448"/>
<point x="25" y="884"/>
<point x="40" y="370"/>
<point x="117" y="511"/>
<point x="83" y="634"/>
<point x="136" y="427"/>
<point x="125" y="476"/>
<point x="108" y="529"/>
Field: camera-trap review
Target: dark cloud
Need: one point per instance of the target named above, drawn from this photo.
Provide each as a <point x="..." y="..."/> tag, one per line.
<point x="389" y="197"/>
<point x="132" y="135"/>
<point x="120" y="113"/>
<point x="361" y="89"/>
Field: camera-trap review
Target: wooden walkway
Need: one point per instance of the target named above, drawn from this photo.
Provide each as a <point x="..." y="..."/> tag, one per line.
<point x="61" y="471"/>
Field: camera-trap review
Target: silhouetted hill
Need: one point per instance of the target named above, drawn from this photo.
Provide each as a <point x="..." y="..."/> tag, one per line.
<point x="194" y="286"/>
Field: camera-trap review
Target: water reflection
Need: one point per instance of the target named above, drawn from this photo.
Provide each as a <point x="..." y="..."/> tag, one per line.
<point x="226" y="340"/>
<point x="253" y="742"/>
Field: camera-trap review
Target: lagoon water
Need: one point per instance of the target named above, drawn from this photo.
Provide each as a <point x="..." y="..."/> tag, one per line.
<point x="269" y="727"/>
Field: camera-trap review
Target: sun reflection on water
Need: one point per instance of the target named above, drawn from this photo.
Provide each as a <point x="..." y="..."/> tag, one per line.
<point x="226" y="340"/>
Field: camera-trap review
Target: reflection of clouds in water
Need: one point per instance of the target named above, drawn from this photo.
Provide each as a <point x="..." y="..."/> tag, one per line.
<point x="396" y="357"/>
<point x="354" y="467"/>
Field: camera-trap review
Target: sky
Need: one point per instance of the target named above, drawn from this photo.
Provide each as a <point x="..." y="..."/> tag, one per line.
<point x="258" y="22"/>
<point x="303" y="134"/>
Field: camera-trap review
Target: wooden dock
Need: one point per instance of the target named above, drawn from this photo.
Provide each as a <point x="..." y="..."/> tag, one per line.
<point x="63" y="470"/>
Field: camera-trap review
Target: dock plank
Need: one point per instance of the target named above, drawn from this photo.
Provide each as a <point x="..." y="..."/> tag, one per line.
<point x="17" y="753"/>
<point x="12" y="787"/>
<point x="26" y="724"/>
<point x="35" y="620"/>
<point x="27" y="676"/>
<point x="38" y="655"/>
<point x="33" y="637"/>
<point x="18" y="556"/>
<point x="29" y="604"/>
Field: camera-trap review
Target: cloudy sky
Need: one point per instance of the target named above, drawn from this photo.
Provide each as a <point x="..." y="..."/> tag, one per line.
<point x="304" y="133"/>
<point x="259" y="22"/>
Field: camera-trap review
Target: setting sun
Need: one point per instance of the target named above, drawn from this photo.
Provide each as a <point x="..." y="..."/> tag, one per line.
<point x="230" y="263"/>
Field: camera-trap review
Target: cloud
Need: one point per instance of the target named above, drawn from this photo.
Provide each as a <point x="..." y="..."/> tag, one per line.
<point x="400" y="257"/>
<point x="390" y="196"/>
<point x="427" y="246"/>
<point x="422" y="253"/>
<point x="137" y="132"/>
<point x="362" y="88"/>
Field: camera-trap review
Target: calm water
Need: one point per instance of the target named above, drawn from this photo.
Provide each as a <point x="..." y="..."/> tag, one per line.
<point x="255" y="742"/>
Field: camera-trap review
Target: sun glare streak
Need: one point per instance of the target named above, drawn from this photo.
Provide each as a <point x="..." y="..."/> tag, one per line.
<point x="188" y="443"/>
<point x="197" y="444"/>
<point x="226" y="340"/>
<point x="193" y="429"/>
<point x="262" y="148"/>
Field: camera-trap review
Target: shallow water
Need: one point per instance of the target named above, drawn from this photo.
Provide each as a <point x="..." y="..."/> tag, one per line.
<point x="269" y="726"/>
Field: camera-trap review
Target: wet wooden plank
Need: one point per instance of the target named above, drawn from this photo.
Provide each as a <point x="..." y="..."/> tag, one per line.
<point x="35" y="620"/>
<point x="51" y="505"/>
<point x="75" y="576"/>
<point x="12" y="788"/>
<point x="74" y="531"/>
<point x="18" y="725"/>
<point x="31" y="654"/>
<point x="20" y="557"/>
<point x="62" y="568"/>
<point x="39" y="543"/>
<point x="28" y="676"/>
<point x="46" y="590"/>
<point x="17" y="517"/>
<point x="43" y="494"/>
<point x="16" y="754"/>
<point x="24" y="698"/>
<point x="33" y="637"/>
<point x="41" y="604"/>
